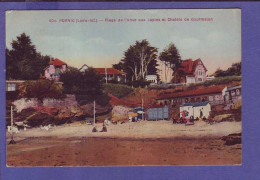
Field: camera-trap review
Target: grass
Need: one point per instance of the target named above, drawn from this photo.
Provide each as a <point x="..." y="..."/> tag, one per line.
<point x="118" y="90"/>
<point x="216" y="81"/>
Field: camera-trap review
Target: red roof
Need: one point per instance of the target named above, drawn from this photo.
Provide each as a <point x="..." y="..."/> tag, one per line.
<point x="196" y="92"/>
<point x="57" y="62"/>
<point x="188" y="66"/>
<point x="109" y="71"/>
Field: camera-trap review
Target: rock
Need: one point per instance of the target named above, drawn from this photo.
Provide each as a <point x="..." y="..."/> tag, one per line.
<point x="88" y="109"/>
<point x="232" y="139"/>
<point x="224" y="117"/>
<point x="53" y="111"/>
<point x="39" y="119"/>
<point x="79" y="114"/>
<point x="41" y="115"/>
<point x="120" y="113"/>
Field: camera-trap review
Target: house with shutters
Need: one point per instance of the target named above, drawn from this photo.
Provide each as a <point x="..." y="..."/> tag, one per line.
<point x="190" y="71"/>
<point x="55" y="69"/>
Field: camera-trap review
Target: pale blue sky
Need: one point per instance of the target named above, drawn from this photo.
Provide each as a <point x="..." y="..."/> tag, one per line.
<point x="217" y="43"/>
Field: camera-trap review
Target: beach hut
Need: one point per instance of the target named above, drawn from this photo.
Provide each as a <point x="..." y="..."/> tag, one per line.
<point x="197" y="110"/>
<point x="159" y="113"/>
<point x="188" y="108"/>
<point x="201" y="109"/>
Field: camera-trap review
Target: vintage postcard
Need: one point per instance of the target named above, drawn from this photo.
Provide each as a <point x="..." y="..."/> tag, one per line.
<point x="123" y="87"/>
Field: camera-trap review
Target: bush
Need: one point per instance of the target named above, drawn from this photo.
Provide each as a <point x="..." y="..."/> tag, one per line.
<point x="139" y="83"/>
<point x="87" y="83"/>
<point x="41" y="89"/>
<point x="234" y="70"/>
<point x="102" y="100"/>
<point x="12" y="95"/>
<point x="118" y="90"/>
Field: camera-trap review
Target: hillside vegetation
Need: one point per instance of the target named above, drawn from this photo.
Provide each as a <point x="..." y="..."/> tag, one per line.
<point x="218" y="81"/>
<point x="118" y="90"/>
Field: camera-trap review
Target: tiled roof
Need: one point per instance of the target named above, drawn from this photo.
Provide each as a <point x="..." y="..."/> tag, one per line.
<point x="200" y="104"/>
<point x="188" y="104"/>
<point x="196" y="104"/>
<point x="233" y="87"/>
<point x="57" y="62"/>
<point x="196" y="92"/>
<point x="188" y="66"/>
<point x="109" y="71"/>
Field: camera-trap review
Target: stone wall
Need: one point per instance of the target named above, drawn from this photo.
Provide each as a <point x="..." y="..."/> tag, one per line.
<point x="23" y="103"/>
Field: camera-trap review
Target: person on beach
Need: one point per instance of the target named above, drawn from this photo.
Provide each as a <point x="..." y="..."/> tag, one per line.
<point x="104" y="128"/>
<point x="94" y="129"/>
<point x="183" y="116"/>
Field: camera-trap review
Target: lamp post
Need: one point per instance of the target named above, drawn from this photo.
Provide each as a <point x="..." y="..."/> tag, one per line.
<point x="94" y="113"/>
<point x="106" y="74"/>
<point x="94" y="116"/>
<point x="12" y="125"/>
<point x="142" y="108"/>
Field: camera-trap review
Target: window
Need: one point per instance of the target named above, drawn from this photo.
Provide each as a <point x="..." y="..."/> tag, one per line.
<point x="227" y="96"/>
<point x="199" y="72"/>
<point x="233" y="93"/>
<point x="199" y="79"/>
<point x="11" y="87"/>
<point x="217" y="97"/>
<point x="237" y="92"/>
<point x="57" y="70"/>
<point x="210" y="98"/>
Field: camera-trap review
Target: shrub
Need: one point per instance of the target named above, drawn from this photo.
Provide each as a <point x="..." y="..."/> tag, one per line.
<point x="86" y="83"/>
<point x="12" y="95"/>
<point x="139" y="83"/>
<point x="118" y="90"/>
<point x="41" y="89"/>
<point x="102" y="100"/>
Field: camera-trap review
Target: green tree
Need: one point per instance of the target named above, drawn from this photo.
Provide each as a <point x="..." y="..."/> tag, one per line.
<point x="219" y="73"/>
<point x="139" y="60"/>
<point x="87" y="83"/>
<point x="171" y="58"/>
<point x="118" y="66"/>
<point x="23" y="61"/>
<point x="41" y="89"/>
<point x="234" y="70"/>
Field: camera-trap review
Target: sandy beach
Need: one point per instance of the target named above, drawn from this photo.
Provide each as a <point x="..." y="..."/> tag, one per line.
<point x="139" y="143"/>
<point x="141" y="129"/>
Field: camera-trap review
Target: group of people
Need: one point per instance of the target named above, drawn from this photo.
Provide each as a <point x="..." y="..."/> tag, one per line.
<point x="104" y="129"/>
<point x="184" y="117"/>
